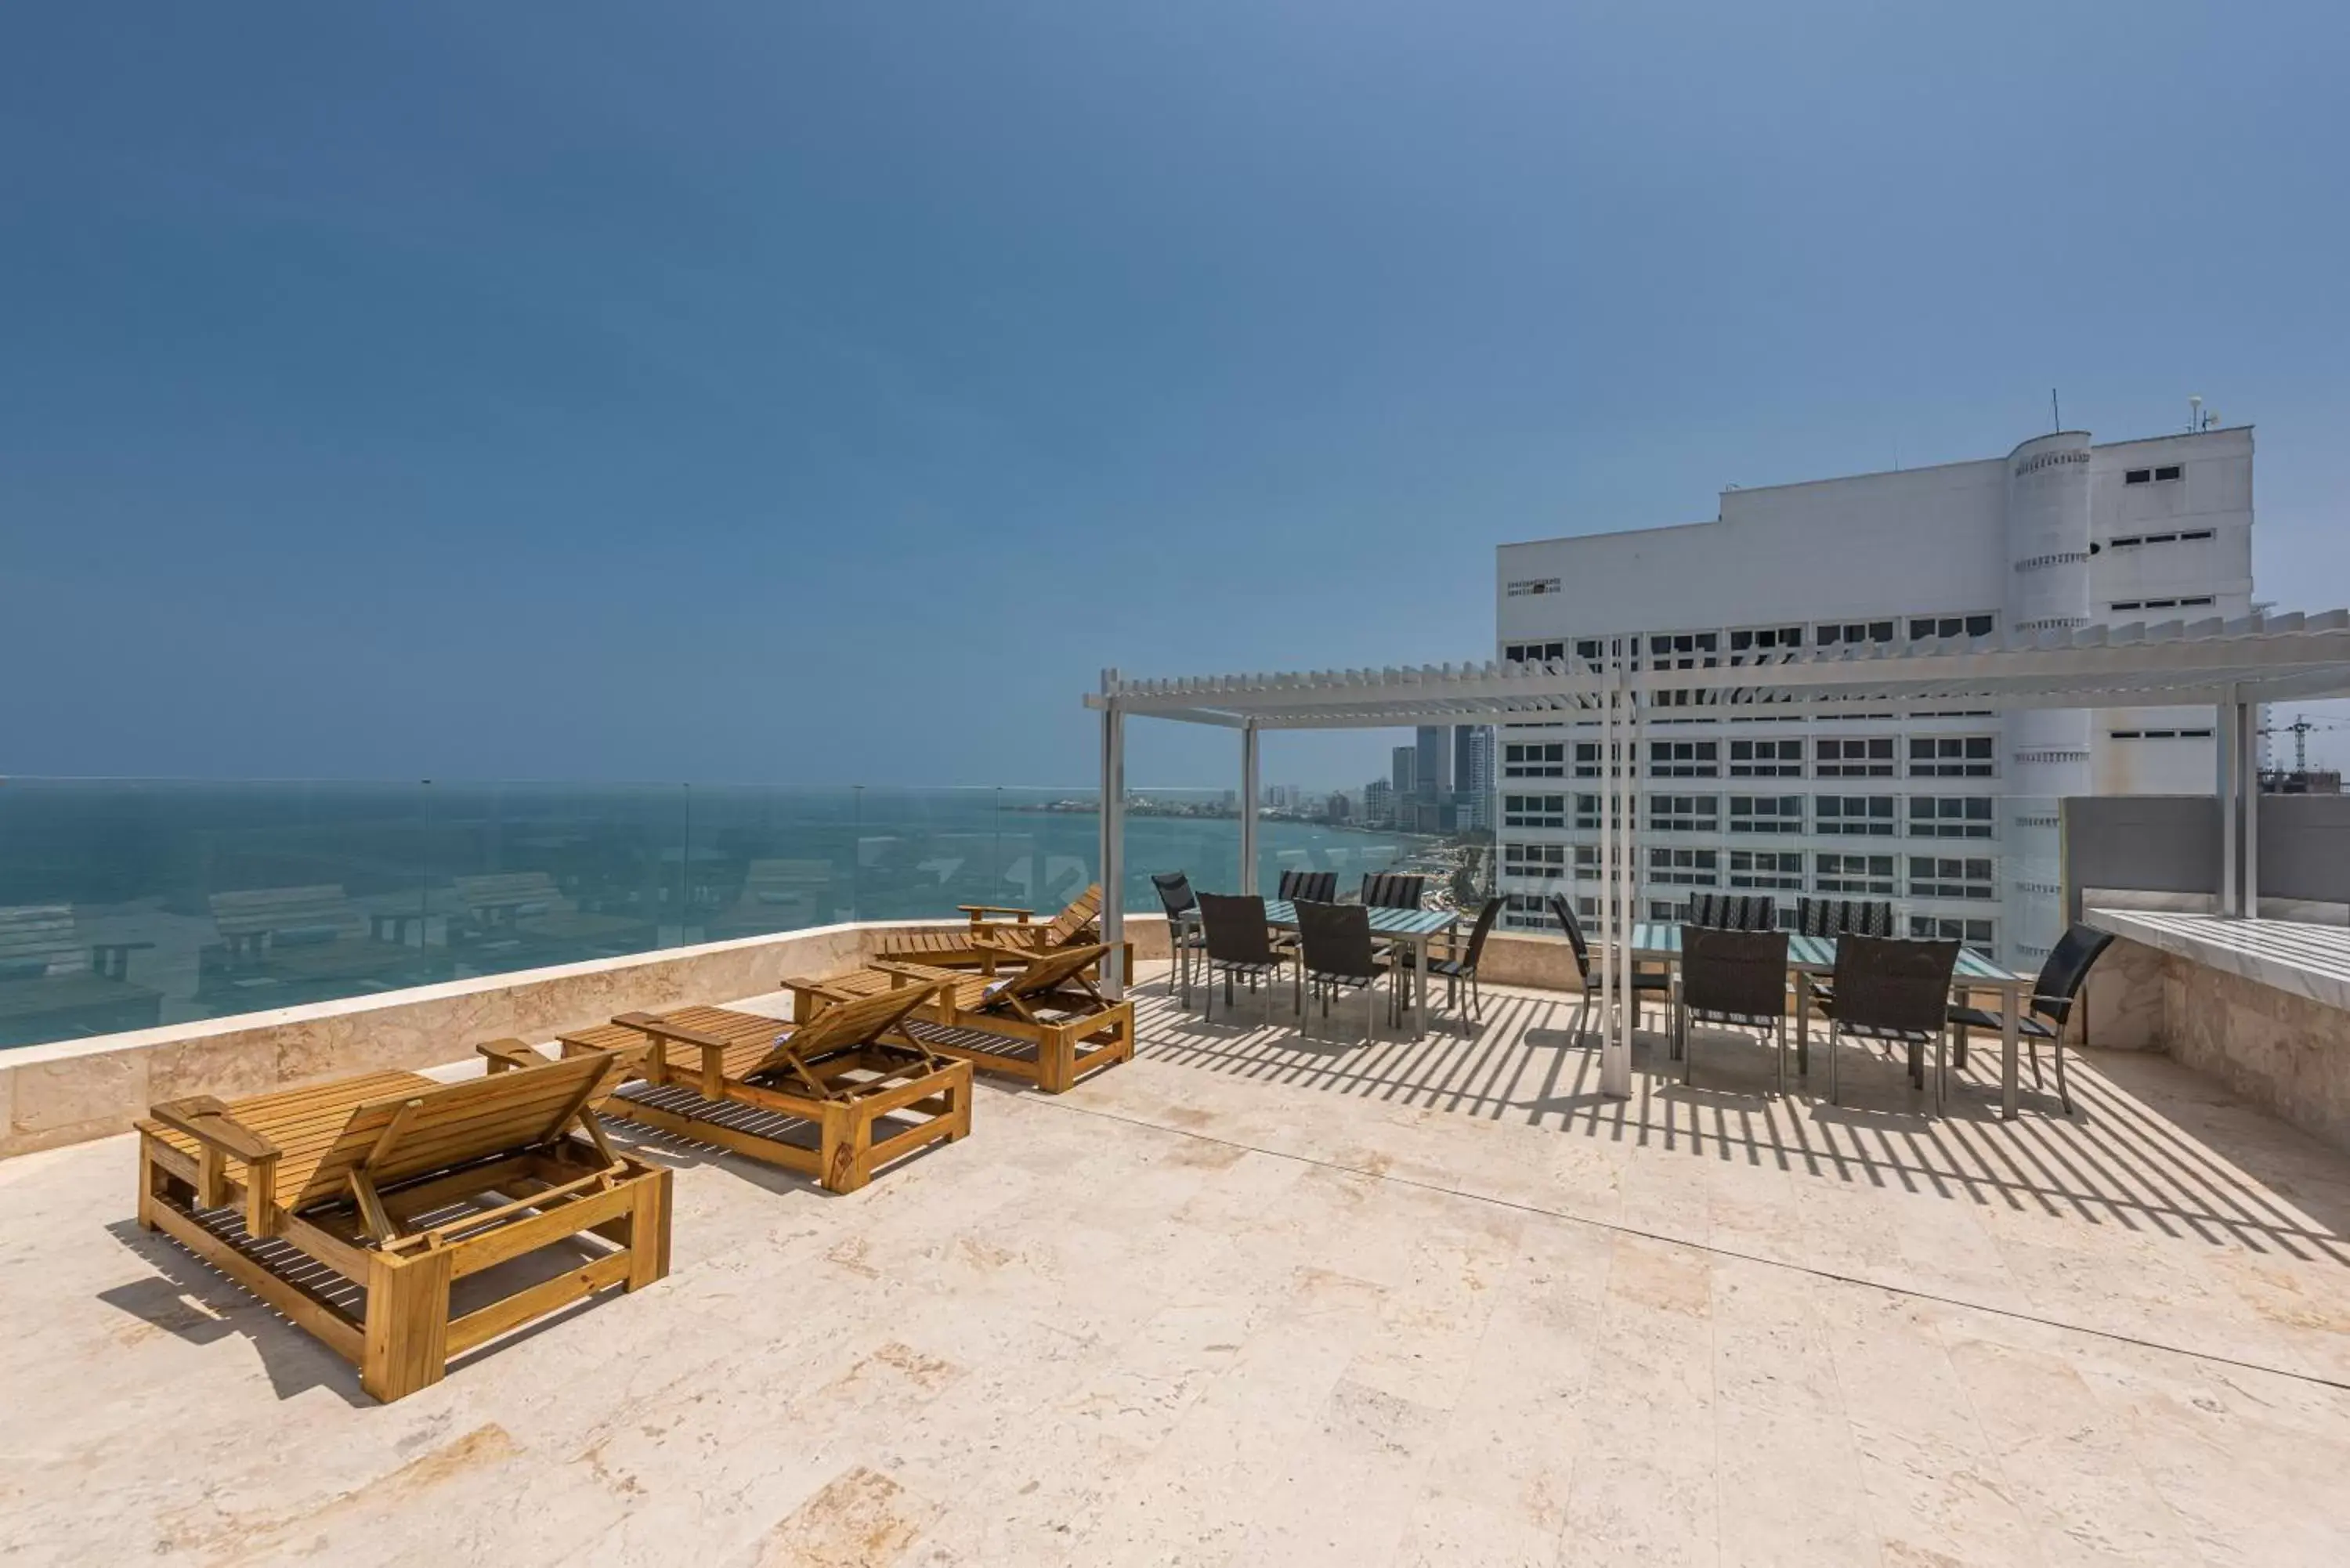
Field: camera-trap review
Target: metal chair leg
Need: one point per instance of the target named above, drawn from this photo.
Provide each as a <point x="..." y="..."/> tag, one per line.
<point x="2064" y="1098"/>
<point x="1680" y="1029"/>
<point x="1835" y="1049"/>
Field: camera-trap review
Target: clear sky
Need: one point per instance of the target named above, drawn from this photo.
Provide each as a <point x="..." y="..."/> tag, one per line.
<point x="824" y="392"/>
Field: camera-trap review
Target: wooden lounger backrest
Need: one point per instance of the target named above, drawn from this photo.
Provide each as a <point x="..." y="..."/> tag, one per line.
<point x="1042" y="975"/>
<point x="843" y="1024"/>
<point x="1080" y="914"/>
<point x="257" y="911"/>
<point x="508" y="889"/>
<point x="39" y="939"/>
<point x="408" y="1135"/>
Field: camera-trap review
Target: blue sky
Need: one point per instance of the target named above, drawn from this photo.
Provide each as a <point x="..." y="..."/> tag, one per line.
<point x="824" y="392"/>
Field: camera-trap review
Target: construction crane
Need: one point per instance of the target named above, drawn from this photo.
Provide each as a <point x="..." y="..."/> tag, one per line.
<point x="2299" y="730"/>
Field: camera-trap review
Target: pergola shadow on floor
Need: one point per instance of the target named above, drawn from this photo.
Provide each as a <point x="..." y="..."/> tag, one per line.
<point x="2150" y="1148"/>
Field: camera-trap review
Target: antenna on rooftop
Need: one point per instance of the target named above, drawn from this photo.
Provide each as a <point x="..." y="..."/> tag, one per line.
<point x="2056" y="414"/>
<point x="2194" y="414"/>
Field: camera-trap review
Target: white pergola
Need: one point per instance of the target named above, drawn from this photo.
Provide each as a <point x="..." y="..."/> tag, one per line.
<point x="2233" y="665"/>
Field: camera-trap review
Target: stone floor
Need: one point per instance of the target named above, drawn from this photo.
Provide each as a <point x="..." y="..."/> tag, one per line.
<point x="1259" y="1299"/>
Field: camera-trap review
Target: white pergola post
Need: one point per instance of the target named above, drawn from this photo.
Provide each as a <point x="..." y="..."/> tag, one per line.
<point x="1615" y="1051"/>
<point x="1248" y="808"/>
<point x="2231" y="753"/>
<point x="1112" y="839"/>
<point x="2249" y="772"/>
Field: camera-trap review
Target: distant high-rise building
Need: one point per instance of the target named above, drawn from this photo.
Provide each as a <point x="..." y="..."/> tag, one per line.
<point x="1404" y="773"/>
<point x="1472" y="775"/>
<point x="1434" y="777"/>
<point x="1339" y="808"/>
<point x="1378" y="803"/>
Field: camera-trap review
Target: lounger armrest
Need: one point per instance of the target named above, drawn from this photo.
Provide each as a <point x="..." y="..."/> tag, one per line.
<point x="920" y="973"/>
<point x="208" y="1121"/>
<point x="502" y="1055"/>
<point x="977" y="911"/>
<point x="662" y="1029"/>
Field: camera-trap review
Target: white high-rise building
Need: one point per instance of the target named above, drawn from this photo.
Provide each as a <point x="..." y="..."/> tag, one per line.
<point x="1950" y="815"/>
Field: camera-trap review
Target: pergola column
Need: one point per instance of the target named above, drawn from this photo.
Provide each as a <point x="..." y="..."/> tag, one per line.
<point x="1248" y="808"/>
<point x="1112" y="839"/>
<point x="2229" y="751"/>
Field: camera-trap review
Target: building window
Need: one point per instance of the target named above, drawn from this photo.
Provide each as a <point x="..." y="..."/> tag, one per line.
<point x="1684" y="814"/>
<point x="2184" y="537"/>
<point x="1766" y="759"/>
<point x="1586" y="811"/>
<point x="1528" y="912"/>
<point x="1835" y="632"/>
<point x="1534" y="811"/>
<point x="1868" y="816"/>
<point x="1685" y="867"/>
<point x="1766" y="639"/>
<point x="2152" y="475"/>
<point x="2195" y="601"/>
<point x="1534" y="652"/>
<point x="1949" y="815"/>
<point x="1863" y="874"/>
<point x="1526" y="585"/>
<point x="1684" y="759"/>
<point x="1766" y="813"/>
<point x="1931" y="876"/>
<point x="1542" y="759"/>
<point x="1926" y="626"/>
<point x="1768" y="869"/>
<point x="1861" y="757"/>
<point x="2159" y="734"/>
<point x="1951" y="756"/>
<point x="2164" y="475"/>
<point x="1544" y="862"/>
<point x="1975" y="934"/>
<point x="1684" y="650"/>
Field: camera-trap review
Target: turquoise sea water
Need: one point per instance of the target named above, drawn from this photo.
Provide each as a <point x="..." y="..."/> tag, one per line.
<point x="128" y="903"/>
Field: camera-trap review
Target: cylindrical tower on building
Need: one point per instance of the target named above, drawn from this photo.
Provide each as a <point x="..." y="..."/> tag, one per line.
<point x="2048" y="749"/>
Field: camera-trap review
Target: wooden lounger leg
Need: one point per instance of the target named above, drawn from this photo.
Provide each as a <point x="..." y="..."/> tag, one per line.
<point x="407" y="1322"/>
<point x="648" y="1231"/>
<point x="152" y="1178"/>
<point x="847" y="1147"/>
<point x="1057" y="1059"/>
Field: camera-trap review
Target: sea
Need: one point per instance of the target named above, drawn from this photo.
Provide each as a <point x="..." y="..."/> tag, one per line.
<point x="129" y="903"/>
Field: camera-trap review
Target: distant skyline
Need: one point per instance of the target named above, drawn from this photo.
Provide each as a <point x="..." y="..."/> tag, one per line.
<point x="823" y="394"/>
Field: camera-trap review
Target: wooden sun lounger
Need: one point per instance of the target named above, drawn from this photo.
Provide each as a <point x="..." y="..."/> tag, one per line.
<point x="1044" y="1024"/>
<point x="836" y="1097"/>
<point x="988" y="943"/>
<point x="404" y="1186"/>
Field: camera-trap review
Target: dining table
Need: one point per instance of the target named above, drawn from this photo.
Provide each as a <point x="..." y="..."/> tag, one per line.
<point x="1412" y="929"/>
<point x="1660" y="942"/>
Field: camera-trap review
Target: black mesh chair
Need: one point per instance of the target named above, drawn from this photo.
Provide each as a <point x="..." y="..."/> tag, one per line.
<point x="1393" y="890"/>
<point x="1837" y="918"/>
<point x="1311" y="887"/>
<point x="1456" y="964"/>
<point x="1336" y="954"/>
<point x="1304" y="886"/>
<point x="1184" y="937"/>
<point x="1237" y="944"/>
<point x="1734" y="977"/>
<point x="1894" y="991"/>
<point x="1658" y="985"/>
<point x="2050" y="1005"/>
<point x="1732" y="911"/>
